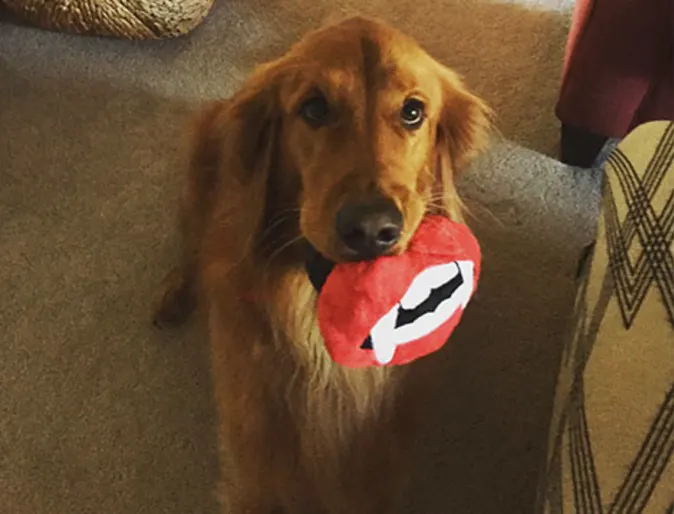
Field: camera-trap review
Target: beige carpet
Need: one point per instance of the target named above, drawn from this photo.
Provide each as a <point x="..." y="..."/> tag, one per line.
<point x="100" y="414"/>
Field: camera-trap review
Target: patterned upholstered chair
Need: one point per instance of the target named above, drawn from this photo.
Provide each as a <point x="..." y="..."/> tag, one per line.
<point x="611" y="443"/>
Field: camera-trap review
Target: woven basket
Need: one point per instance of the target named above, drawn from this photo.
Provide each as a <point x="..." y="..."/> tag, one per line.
<point x="128" y="19"/>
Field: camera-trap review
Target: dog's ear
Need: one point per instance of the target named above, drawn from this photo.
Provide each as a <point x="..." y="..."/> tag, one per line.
<point x="462" y="133"/>
<point x="252" y="125"/>
<point x="464" y="124"/>
<point x="234" y="149"/>
<point x="236" y="137"/>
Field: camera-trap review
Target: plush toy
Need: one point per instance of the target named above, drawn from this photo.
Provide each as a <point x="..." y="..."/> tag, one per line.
<point x="396" y="309"/>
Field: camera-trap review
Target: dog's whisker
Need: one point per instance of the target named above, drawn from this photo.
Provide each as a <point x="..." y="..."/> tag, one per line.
<point x="270" y="260"/>
<point x="276" y="223"/>
<point x="271" y="244"/>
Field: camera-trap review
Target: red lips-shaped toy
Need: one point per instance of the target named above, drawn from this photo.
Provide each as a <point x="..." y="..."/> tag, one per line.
<point x="394" y="310"/>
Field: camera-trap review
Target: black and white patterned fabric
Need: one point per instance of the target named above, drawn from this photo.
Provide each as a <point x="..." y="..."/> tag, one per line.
<point x="612" y="434"/>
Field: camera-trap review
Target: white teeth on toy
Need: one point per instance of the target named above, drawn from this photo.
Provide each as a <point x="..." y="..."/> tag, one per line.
<point x="468" y="274"/>
<point x="386" y="337"/>
<point x="383" y="337"/>
<point x="429" y="279"/>
<point x="431" y="321"/>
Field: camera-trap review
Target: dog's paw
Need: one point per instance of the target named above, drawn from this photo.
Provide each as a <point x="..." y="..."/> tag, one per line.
<point x="177" y="302"/>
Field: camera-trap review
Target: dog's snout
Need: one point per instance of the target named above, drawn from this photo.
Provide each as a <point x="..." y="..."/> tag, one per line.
<point x="369" y="229"/>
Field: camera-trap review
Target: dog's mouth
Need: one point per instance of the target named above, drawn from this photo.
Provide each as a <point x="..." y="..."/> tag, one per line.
<point x="435" y="295"/>
<point x="318" y="266"/>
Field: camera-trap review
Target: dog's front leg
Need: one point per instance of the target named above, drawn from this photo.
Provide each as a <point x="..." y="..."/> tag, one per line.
<point x="255" y="436"/>
<point x="376" y="470"/>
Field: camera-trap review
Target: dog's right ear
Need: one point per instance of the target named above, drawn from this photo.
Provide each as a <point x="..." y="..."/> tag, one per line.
<point x="253" y="123"/>
<point x="235" y="146"/>
<point x="240" y="134"/>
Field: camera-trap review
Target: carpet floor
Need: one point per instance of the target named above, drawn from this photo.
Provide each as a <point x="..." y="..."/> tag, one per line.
<point x="101" y="414"/>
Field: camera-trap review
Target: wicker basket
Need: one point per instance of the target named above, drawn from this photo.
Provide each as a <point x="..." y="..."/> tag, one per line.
<point x="129" y="19"/>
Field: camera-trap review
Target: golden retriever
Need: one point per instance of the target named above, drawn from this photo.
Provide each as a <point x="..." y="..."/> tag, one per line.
<point x="344" y="143"/>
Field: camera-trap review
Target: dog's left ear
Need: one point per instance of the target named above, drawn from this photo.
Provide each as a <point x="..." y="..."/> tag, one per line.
<point x="465" y="121"/>
<point x="462" y="133"/>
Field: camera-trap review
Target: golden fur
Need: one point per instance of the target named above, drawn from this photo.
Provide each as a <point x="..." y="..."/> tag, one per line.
<point x="299" y="433"/>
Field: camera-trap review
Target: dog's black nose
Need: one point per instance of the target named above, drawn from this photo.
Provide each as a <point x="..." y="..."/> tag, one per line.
<point x="369" y="229"/>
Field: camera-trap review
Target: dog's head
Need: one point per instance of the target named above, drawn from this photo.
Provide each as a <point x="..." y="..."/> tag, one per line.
<point x="358" y="133"/>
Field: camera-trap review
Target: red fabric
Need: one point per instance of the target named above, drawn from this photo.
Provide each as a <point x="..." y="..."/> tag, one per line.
<point x="619" y="66"/>
<point x="357" y="295"/>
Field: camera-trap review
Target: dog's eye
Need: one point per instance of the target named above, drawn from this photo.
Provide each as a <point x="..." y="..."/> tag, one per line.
<point x="315" y="111"/>
<point x="412" y="114"/>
